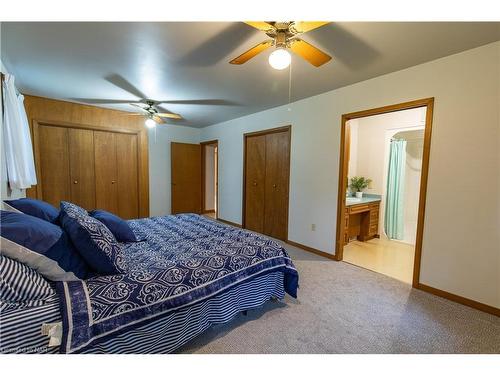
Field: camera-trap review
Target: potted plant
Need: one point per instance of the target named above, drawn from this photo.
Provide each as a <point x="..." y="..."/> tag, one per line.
<point x="358" y="184"/>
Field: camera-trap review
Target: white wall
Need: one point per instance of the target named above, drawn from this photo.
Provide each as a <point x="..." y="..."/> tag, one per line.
<point x="461" y="243"/>
<point x="369" y="157"/>
<point x="209" y="177"/>
<point x="159" y="163"/>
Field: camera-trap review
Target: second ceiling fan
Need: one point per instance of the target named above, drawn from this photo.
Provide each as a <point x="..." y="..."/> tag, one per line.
<point x="284" y="36"/>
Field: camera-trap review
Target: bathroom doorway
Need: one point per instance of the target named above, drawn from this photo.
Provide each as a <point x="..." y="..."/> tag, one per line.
<point x="209" y="178"/>
<point x="383" y="177"/>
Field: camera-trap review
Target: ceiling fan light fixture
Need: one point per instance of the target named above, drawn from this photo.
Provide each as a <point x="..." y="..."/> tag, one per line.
<point x="150" y="123"/>
<point x="280" y="59"/>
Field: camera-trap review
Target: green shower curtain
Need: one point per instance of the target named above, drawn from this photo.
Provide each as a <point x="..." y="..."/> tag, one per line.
<point x="394" y="204"/>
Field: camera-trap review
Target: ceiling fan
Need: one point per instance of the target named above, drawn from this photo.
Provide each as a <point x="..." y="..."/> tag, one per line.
<point x="150" y="108"/>
<point x="153" y="116"/>
<point x="285" y="36"/>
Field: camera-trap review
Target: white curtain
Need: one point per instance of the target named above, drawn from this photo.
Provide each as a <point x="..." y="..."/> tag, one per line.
<point x="17" y="139"/>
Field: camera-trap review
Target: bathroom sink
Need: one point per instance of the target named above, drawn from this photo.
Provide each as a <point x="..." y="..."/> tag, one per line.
<point x="352" y="200"/>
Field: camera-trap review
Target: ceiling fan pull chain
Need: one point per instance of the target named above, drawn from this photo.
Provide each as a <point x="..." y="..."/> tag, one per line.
<point x="289" y="86"/>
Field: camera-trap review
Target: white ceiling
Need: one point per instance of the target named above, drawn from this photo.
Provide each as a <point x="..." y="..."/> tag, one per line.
<point x="189" y="61"/>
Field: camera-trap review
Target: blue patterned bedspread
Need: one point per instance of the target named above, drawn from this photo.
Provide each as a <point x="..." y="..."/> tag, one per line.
<point x="183" y="259"/>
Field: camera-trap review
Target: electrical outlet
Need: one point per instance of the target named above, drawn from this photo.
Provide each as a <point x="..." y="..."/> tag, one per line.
<point x="313" y="227"/>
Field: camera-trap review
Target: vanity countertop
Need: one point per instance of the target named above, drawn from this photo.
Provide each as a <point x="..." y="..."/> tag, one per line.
<point x="367" y="198"/>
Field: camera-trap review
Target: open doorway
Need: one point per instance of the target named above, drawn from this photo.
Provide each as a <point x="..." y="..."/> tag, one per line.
<point x="383" y="178"/>
<point x="209" y="188"/>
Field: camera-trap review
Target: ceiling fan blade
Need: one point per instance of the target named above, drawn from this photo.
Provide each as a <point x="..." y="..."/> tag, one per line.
<point x="103" y="101"/>
<point x="200" y="102"/>
<point x="122" y="83"/>
<point x="169" y="115"/>
<point x="304" y="26"/>
<point x="310" y="53"/>
<point x="252" y="52"/>
<point x="260" y="25"/>
<point x="139" y="106"/>
<point x="158" y="120"/>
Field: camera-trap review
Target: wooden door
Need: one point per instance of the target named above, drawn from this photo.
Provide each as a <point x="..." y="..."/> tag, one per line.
<point x="127" y="175"/>
<point x="51" y="147"/>
<point x="185" y="177"/>
<point x="81" y="161"/>
<point x="276" y="185"/>
<point x="255" y="173"/>
<point x="106" y="188"/>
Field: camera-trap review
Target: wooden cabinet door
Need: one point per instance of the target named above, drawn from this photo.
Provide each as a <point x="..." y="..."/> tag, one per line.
<point x="51" y="144"/>
<point x="127" y="175"/>
<point x="276" y="185"/>
<point x="106" y="187"/>
<point x="185" y="177"/>
<point x="81" y="160"/>
<point x="255" y="176"/>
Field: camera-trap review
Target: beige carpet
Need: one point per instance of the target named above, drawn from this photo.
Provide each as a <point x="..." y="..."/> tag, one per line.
<point x="346" y="309"/>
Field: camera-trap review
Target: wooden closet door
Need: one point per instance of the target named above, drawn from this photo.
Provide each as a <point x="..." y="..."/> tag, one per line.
<point x="127" y="175"/>
<point x="255" y="174"/>
<point x="106" y="188"/>
<point x="81" y="159"/>
<point x="53" y="164"/>
<point x="185" y="172"/>
<point x="276" y="189"/>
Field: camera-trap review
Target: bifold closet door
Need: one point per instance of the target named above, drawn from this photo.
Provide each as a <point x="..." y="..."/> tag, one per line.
<point x="53" y="164"/>
<point x="127" y="172"/>
<point x="116" y="173"/>
<point x="106" y="188"/>
<point x="255" y="167"/>
<point x="81" y="161"/>
<point x="276" y="191"/>
<point x="267" y="170"/>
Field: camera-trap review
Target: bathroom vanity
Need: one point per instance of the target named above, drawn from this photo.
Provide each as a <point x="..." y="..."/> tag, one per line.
<point x="361" y="218"/>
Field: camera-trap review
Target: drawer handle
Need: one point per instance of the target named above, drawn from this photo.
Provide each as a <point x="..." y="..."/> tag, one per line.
<point x="75" y="182"/>
<point x="113" y="181"/>
<point x="254" y="183"/>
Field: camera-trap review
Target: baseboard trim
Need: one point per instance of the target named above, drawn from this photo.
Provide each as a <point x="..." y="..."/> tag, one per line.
<point x="311" y="250"/>
<point x="229" y="223"/>
<point x="459" y="299"/>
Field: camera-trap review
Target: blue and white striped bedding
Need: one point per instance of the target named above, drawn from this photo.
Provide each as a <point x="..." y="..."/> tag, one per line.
<point x="21" y="286"/>
<point x="21" y="329"/>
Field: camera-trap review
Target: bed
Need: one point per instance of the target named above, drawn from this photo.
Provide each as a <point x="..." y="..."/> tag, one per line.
<point x="186" y="273"/>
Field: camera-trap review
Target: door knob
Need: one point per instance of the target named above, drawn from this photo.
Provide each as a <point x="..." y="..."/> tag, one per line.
<point x="274" y="186"/>
<point x="75" y="182"/>
<point x="254" y="183"/>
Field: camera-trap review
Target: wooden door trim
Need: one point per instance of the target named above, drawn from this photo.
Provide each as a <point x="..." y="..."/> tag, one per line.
<point x="203" y="174"/>
<point x="142" y="155"/>
<point x="287" y="128"/>
<point x="429" y="104"/>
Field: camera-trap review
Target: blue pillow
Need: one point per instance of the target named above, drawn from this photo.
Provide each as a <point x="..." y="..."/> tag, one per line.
<point x="42" y="246"/>
<point x="93" y="240"/>
<point x="116" y="225"/>
<point x="35" y="207"/>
